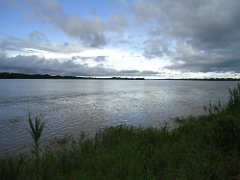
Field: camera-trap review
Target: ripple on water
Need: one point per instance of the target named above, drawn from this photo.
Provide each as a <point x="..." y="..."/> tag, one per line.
<point x="71" y="107"/>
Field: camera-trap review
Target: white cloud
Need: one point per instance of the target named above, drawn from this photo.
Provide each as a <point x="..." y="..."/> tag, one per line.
<point x="169" y="38"/>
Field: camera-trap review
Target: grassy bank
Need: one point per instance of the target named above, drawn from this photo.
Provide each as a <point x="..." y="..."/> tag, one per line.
<point x="205" y="147"/>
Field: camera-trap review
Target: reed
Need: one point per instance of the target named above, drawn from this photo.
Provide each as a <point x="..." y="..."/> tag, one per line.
<point x="35" y="130"/>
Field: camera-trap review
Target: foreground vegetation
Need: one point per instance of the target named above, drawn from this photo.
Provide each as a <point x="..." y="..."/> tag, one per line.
<point x="205" y="147"/>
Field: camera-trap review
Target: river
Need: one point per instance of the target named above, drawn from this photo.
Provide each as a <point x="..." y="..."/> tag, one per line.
<point x="70" y="107"/>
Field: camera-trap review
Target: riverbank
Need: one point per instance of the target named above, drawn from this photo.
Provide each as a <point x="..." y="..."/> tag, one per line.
<point x="204" y="147"/>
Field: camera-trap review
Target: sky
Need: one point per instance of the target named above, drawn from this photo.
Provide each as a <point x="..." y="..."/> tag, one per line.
<point x="140" y="38"/>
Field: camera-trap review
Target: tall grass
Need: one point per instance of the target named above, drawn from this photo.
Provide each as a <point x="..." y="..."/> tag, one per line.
<point x="234" y="98"/>
<point x="11" y="167"/>
<point x="204" y="147"/>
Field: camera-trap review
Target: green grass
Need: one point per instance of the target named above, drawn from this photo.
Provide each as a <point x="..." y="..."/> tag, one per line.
<point x="204" y="147"/>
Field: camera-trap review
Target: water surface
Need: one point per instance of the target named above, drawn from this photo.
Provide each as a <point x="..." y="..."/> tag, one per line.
<point x="70" y="107"/>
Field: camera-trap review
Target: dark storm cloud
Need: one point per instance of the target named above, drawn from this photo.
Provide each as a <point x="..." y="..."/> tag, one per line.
<point x="83" y="58"/>
<point x="100" y="58"/>
<point x="209" y="62"/>
<point x="148" y="73"/>
<point x="155" y="48"/>
<point x="34" y="65"/>
<point x="129" y="72"/>
<point x="209" y="27"/>
<point x="91" y="31"/>
<point x="207" y="21"/>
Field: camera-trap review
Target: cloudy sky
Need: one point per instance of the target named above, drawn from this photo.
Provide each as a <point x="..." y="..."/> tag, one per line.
<point x="144" y="38"/>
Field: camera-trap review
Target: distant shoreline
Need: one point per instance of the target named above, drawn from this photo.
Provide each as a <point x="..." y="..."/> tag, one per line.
<point x="6" y="75"/>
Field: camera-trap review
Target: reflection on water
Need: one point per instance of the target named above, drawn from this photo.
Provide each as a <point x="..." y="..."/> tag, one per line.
<point x="73" y="106"/>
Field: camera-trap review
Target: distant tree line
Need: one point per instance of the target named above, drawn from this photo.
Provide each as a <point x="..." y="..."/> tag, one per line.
<point x="7" y="75"/>
<point x="203" y="79"/>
